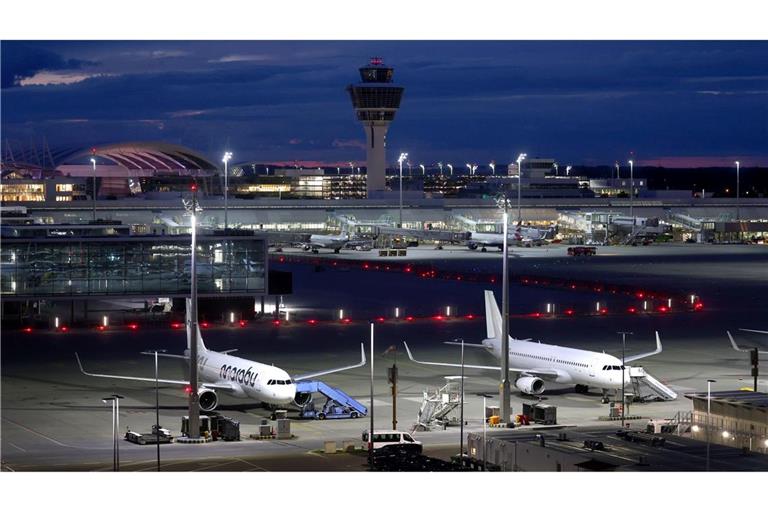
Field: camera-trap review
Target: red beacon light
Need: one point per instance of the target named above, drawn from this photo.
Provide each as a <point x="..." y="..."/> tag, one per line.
<point x="698" y="306"/>
<point x="188" y="390"/>
<point x="27" y="329"/>
<point x="63" y="328"/>
<point x="176" y="325"/>
<point x="663" y="309"/>
<point x="631" y="309"/>
<point x="409" y="319"/>
<point x="438" y="317"/>
<point x="604" y="311"/>
<point x="346" y="321"/>
<point x="243" y="323"/>
<point x="133" y="326"/>
<point x="380" y="319"/>
<point x="470" y="316"/>
<point x="276" y="323"/>
<point x="204" y="324"/>
<point x="312" y="321"/>
<point x="100" y="328"/>
<point x="568" y="312"/>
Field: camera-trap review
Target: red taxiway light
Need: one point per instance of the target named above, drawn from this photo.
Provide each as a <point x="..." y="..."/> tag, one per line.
<point x="177" y="325"/>
<point x="604" y="311"/>
<point x="366" y="266"/>
<point x="470" y="316"/>
<point x="100" y="328"/>
<point x="698" y="306"/>
<point x="640" y="295"/>
<point x="380" y="319"/>
<point x="63" y="328"/>
<point x="276" y="322"/>
<point x="409" y="319"/>
<point x="346" y="321"/>
<point x="631" y="309"/>
<point x="568" y="312"/>
<point x="407" y="269"/>
<point x="133" y="327"/>
<point x="243" y="323"/>
<point x="312" y="321"/>
<point x="663" y="309"/>
<point x="27" y="329"/>
<point x="573" y="287"/>
<point x="535" y="315"/>
<point x="205" y="325"/>
<point x="438" y="317"/>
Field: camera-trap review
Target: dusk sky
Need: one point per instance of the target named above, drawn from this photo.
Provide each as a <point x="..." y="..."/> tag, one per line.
<point x="672" y="103"/>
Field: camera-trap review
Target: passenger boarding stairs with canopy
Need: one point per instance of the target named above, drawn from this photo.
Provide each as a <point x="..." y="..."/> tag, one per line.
<point x="647" y="388"/>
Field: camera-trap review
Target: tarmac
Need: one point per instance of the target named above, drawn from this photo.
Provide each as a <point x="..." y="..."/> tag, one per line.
<point x="53" y="417"/>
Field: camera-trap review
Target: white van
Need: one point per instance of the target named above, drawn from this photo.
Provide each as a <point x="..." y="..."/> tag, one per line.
<point x="393" y="440"/>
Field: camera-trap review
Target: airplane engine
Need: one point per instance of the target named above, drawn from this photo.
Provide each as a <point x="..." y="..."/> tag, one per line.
<point x="530" y="385"/>
<point x="302" y="399"/>
<point x="207" y="399"/>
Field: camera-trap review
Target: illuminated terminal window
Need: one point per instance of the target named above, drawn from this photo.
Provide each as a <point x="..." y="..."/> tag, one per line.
<point x="64" y="187"/>
<point x="63" y="198"/>
<point x="21" y="192"/>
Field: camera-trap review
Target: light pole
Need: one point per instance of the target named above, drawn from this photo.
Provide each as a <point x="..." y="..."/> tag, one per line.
<point x="440" y="165"/>
<point x="520" y="159"/>
<point x="568" y="170"/>
<point x="193" y="432"/>
<point x="157" y="405"/>
<point x="492" y="165"/>
<point x="505" y="390"/>
<point x="450" y="168"/>
<point x="469" y="166"/>
<point x="93" y="162"/>
<point x="115" y="400"/>
<point x="485" y="442"/>
<point x="709" y="427"/>
<point x="623" y="372"/>
<point x="632" y="191"/>
<point x="738" y="215"/>
<point x="557" y="168"/>
<point x="400" y="161"/>
<point x="423" y="170"/>
<point x="227" y="157"/>
<point x="371" y="431"/>
<point x="461" y="414"/>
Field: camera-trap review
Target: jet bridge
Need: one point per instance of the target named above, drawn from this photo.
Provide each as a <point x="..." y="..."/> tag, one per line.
<point x="646" y="387"/>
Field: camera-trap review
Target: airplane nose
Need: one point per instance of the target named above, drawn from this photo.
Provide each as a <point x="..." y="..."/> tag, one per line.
<point x="288" y="394"/>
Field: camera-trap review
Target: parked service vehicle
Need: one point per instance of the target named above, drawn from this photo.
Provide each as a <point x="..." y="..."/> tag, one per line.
<point x="393" y="440"/>
<point x="582" y="251"/>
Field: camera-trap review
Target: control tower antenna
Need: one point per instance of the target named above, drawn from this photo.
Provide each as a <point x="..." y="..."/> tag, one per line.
<point x="376" y="100"/>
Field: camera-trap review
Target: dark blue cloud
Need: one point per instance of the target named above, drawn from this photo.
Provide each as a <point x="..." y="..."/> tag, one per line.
<point x="577" y="101"/>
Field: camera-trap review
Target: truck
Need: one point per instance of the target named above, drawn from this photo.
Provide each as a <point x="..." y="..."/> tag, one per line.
<point x="159" y="435"/>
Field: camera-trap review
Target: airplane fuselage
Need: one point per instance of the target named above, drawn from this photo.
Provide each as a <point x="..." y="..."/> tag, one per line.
<point x="247" y="379"/>
<point x="573" y="366"/>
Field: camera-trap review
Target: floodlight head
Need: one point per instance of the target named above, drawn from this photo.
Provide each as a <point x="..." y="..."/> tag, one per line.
<point x="402" y="158"/>
<point x="631" y="162"/>
<point x="521" y="157"/>
<point x="227" y="157"/>
<point x="737" y="163"/>
<point x="93" y="160"/>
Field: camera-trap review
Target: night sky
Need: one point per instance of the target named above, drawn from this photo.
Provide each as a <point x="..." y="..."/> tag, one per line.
<point x="672" y="103"/>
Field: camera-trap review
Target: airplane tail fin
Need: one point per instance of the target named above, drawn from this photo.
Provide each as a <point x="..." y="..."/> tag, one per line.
<point x="492" y="316"/>
<point x="200" y="345"/>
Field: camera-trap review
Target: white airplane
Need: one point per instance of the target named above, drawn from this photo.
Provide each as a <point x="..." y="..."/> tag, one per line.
<point x="241" y="378"/>
<point x="334" y="242"/>
<point x="533" y="363"/>
<point x="521" y="235"/>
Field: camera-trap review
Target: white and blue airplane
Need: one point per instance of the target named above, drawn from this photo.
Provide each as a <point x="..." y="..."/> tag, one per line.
<point x="238" y="377"/>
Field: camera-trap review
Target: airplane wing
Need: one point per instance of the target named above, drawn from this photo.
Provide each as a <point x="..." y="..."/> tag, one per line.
<point x="218" y="385"/>
<point x="466" y="345"/>
<point x="530" y="371"/>
<point x="739" y="349"/>
<point x="335" y="370"/>
<point x="754" y="330"/>
<point x="646" y="354"/>
<point x="162" y="354"/>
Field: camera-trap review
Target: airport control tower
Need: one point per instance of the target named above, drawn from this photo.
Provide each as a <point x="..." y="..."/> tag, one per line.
<point x="376" y="99"/>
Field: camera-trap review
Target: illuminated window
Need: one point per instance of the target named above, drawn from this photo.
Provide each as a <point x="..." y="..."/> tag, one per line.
<point x="64" y="187"/>
<point x="20" y="192"/>
<point x="63" y="198"/>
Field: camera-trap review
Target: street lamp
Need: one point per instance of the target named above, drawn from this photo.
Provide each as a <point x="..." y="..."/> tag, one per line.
<point x="738" y="216"/>
<point x="557" y="168"/>
<point x="461" y="393"/>
<point x="568" y="170"/>
<point x="227" y="157"/>
<point x="450" y="168"/>
<point x="403" y="157"/>
<point x="709" y="426"/>
<point x="492" y="165"/>
<point x="632" y="191"/>
<point x="505" y="411"/>
<point x="440" y="165"/>
<point x="193" y="432"/>
<point x="115" y="400"/>
<point x="423" y="169"/>
<point x="616" y="165"/>
<point x="623" y="372"/>
<point x="93" y="162"/>
<point x="520" y="159"/>
<point x="157" y="404"/>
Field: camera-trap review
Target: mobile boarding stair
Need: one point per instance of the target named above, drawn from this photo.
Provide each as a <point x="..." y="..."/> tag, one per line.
<point x="338" y="404"/>
<point x="438" y="404"/>
<point x="647" y="388"/>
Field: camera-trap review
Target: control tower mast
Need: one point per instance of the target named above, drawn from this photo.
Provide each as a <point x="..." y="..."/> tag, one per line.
<point x="375" y="100"/>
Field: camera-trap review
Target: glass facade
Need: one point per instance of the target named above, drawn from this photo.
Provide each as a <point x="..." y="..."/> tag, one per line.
<point x="21" y="192"/>
<point x="142" y="266"/>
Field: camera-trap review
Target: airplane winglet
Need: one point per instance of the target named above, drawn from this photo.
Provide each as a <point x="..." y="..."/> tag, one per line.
<point x="733" y="343"/>
<point x="658" y="342"/>
<point x="657" y="350"/>
<point x="754" y="330"/>
<point x="80" y="364"/>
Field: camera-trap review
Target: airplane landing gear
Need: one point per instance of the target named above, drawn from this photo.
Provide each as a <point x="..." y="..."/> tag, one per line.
<point x="605" y="399"/>
<point x="337" y="251"/>
<point x="315" y="251"/>
<point x="483" y="249"/>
